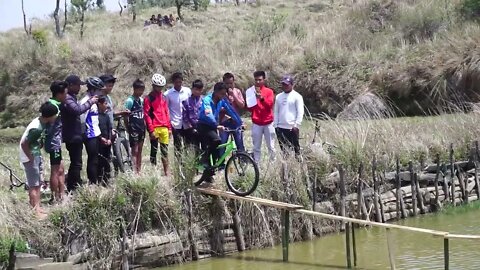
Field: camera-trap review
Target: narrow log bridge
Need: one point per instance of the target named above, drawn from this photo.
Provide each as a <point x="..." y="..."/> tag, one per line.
<point x="286" y="208"/>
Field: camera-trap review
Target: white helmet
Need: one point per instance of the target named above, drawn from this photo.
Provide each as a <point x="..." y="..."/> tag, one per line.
<point x="158" y="80"/>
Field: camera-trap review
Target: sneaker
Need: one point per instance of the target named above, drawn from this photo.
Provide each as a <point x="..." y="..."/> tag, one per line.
<point x="206" y="184"/>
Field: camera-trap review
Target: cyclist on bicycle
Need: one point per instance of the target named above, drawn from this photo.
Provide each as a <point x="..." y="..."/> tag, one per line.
<point x="208" y="125"/>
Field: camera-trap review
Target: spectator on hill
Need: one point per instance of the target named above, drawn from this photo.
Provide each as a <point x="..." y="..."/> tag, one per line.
<point x="135" y="123"/>
<point x="91" y="128"/>
<point x="53" y="142"/>
<point x="159" y="19"/>
<point x="166" y="20"/>
<point x="153" y="20"/>
<point x="31" y="156"/>
<point x="172" y="20"/>
<point x="175" y="96"/>
<point x="260" y="101"/>
<point x="72" y="129"/>
<point x="105" y="144"/>
<point x="288" y="116"/>
<point x="157" y="119"/>
<point x="146" y="23"/>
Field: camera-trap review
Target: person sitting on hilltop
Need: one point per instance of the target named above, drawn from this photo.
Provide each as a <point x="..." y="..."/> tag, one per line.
<point x="166" y="20"/>
<point x="147" y="23"/>
<point x="172" y="20"/>
<point x="159" y="19"/>
<point x="153" y="20"/>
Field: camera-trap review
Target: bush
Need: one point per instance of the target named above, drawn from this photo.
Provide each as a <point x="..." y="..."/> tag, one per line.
<point x="470" y="9"/>
<point x="40" y="36"/>
<point x="5" y="245"/>
<point x="264" y="30"/>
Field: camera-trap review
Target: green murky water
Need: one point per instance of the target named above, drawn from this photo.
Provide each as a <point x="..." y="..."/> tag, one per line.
<point x="412" y="250"/>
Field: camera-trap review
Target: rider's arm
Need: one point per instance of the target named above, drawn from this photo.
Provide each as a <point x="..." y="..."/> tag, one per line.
<point x="208" y="116"/>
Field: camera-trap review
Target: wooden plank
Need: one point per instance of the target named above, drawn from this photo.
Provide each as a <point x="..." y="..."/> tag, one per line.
<point x="226" y="194"/>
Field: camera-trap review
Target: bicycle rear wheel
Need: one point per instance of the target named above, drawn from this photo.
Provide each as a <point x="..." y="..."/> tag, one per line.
<point x="241" y="174"/>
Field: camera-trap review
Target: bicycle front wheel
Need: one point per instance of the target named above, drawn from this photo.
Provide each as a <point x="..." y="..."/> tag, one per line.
<point x="241" y="174"/>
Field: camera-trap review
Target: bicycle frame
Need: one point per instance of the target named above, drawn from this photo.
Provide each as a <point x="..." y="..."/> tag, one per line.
<point x="229" y="146"/>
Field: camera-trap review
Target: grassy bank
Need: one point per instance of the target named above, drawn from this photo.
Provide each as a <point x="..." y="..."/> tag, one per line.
<point x="419" y="56"/>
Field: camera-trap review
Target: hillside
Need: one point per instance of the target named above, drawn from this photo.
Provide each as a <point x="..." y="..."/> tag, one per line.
<point x="419" y="56"/>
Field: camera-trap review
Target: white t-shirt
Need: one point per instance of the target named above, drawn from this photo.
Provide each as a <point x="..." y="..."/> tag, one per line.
<point x="288" y="110"/>
<point x="34" y="134"/>
<point x="174" y="100"/>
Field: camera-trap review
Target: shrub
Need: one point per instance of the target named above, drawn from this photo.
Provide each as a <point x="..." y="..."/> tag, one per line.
<point x="264" y="30"/>
<point x="40" y="36"/>
<point x="470" y="9"/>
<point x="5" y="245"/>
<point x="64" y="51"/>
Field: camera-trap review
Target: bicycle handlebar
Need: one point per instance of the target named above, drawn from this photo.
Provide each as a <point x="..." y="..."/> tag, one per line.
<point x="228" y="130"/>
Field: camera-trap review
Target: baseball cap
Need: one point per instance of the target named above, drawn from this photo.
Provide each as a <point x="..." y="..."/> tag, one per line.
<point x="74" y="80"/>
<point x="108" y="78"/>
<point x="287" y="79"/>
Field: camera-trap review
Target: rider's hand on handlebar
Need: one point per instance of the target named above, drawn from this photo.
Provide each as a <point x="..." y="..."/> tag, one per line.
<point x="220" y="128"/>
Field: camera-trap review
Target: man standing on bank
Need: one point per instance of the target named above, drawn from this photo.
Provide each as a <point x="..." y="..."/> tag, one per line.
<point x="260" y="103"/>
<point x="72" y="131"/>
<point x="175" y="96"/>
<point x="288" y="115"/>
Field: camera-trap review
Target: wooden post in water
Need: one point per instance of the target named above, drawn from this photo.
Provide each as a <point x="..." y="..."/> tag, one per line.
<point x="354" y="243"/>
<point x="286" y="233"/>
<point x="421" y="205"/>
<point x="475" y="162"/>
<point x="401" y="213"/>
<point x="343" y="194"/>
<point x="237" y="226"/>
<point x="378" y="215"/>
<point x="347" y="244"/>
<point x="314" y="192"/>
<point x="191" y="238"/>
<point x="446" y="256"/>
<point x="461" y="183"/>
<point x="452" y="174"/>
<point x="437" y="195"/>
<point x="362" y="208"/>
<point x="412" y="185"/>
<point x="445" y="184"/>
<point x="391" y="256"/>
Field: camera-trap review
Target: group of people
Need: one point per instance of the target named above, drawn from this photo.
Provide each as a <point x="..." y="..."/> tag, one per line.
<point x="159" y="20"/>
<point x="192" y="119"/>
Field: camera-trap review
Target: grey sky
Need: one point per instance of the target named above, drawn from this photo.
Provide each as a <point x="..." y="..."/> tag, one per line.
<point x="11" y="11"/>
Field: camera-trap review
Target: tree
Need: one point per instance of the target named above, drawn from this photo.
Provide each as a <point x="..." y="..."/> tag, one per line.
<point x="179" y="4"/>
<point x="82" y="6"/>
<point x="57" y="20"/>
<point x="133" y="4"/>
<point x="195" y="5"/>
<point x="65" y="22"/>
<point x="25" y="21"/>
<point x="121" y="8"/>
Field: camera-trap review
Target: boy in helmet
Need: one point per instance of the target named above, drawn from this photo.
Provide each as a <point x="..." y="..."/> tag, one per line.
<point x="91" y="128"/>
<point x="157" y="119"/>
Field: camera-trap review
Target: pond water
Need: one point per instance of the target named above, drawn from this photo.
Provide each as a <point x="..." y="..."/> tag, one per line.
<point x="412" y="250"/>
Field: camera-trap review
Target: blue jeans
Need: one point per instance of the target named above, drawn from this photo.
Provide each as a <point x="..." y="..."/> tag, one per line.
<point x="237" y="136"/>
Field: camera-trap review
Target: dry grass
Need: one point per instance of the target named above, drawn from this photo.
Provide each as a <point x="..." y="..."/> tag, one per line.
<point x="401" y="50"/>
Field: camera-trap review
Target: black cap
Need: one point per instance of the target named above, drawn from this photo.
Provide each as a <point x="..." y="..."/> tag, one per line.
<point x="74" y="80"/>
<point x="108" y="78"/>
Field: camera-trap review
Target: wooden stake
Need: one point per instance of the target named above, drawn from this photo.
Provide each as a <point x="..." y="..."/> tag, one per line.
<point x="191" y="238"/>
<point x="477" y="186"/>
<point x="452" y="174"/>
<point x="419" y="194"/>
<point x="237" y="226"/>
<point x="391" y="256"/>
<point x="412" y="185"/>
<point x="446" y="257"/>
<point x="401" y="213"/>
<point x="437" y="200"/>
<point x="378" y="215"/>
<point x="314" y="192"/>
<point x="354" y="245"/>
<point x="445" y="184"/>
<point x="347" y="245"/>
<point x="461" y="183"/>
<point x="343" y="194"/>
<point x="286" y="234"/>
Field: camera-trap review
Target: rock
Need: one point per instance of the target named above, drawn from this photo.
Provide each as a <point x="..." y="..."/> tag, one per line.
<point x="365" y="106"/>
<point x="325" y="207"/>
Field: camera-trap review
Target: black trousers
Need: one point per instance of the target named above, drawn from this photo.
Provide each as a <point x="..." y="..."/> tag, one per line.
<point x="104" y="169"/>
<point x="287" y="139"/>
<point x="210" y="141"/>
<point x="73" y="176"/>
<point x="192" y="139"/>
<point x="179" y="139"/>
<point x="92" y="146"/>
<point x="153" y="151"/>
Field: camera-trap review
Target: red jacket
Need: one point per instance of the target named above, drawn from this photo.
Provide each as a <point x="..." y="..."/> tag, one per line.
<point x="262" y="113"/>
<point x="155" y="110"/>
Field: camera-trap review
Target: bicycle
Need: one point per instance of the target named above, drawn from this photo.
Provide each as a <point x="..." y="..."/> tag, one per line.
<point x="241" y="172"/>
<point x="122" y="157"/>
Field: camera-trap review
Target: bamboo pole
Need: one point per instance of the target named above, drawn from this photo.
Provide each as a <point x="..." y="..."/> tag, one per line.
<point x="446" y="255"/>
<point x="362" y="208"/>
<point x="237" y="226"/>
<point x="378" y="215"/>
<point x="347" y="245"/>
<point x="477" y="186"/>
<point x="343" y="193"/>
<point x="354" y="243"/>
<point x="191" y="238"/>
<point x="314" y="192"/>
<point x="401" y="213"/>
<point x="391" y="256"/>
<point x="445" y="185"/>
<point x="421" y="205"/>
<point x="412" y="185"/>
<point x="452" y="174"/>
<point x="286" y="234"/>
<point x="461" y="182"/>
<point x="437" y="200"/>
